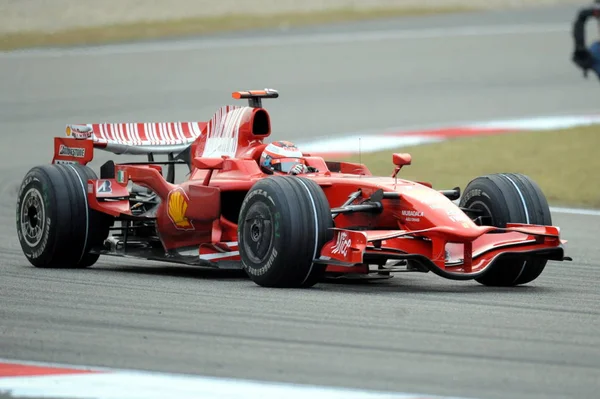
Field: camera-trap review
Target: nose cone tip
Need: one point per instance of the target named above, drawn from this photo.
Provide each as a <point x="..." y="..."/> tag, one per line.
<point x="462" y="232"/>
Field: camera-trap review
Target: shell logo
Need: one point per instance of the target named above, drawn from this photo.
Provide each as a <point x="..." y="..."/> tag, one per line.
<point x="177" y="203"/>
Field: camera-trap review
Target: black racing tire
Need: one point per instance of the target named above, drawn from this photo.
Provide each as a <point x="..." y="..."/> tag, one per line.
<point x="508" y="198"/>
<point x="55" y="226"/>
<point x="284" y="222"/>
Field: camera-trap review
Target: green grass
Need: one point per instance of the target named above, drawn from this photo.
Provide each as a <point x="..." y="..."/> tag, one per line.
<point x="201" y="25"/>
<point x="565" y="163"/>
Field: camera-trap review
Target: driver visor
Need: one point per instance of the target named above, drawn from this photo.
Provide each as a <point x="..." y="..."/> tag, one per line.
<point x="284" y="165"/>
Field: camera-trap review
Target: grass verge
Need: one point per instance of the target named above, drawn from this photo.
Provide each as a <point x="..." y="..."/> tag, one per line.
<point x="565" y="163"/>
<point x="202" y="25"/>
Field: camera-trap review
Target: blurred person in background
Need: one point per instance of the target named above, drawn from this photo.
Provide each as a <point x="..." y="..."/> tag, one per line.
<point x="586" y="58"/>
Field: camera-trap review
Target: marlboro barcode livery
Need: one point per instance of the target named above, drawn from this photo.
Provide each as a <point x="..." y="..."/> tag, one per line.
<point x="288" y="218"/>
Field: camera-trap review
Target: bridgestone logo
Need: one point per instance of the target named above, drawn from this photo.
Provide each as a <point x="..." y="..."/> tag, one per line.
<point x="71" y="152"/>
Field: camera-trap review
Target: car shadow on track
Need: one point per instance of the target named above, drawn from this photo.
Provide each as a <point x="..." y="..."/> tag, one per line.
<point x="393" y="286"/>
<point x="177" y="271"/>
<point x="433" y="284"/>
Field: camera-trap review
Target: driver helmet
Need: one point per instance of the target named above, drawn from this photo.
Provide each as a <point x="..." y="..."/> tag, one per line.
<point x="283" y="157"/>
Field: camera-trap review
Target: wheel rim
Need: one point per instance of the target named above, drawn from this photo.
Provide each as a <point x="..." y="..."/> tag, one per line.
<point x="33" y="217"/>
<point x="258" y="232"/>
<point x="487" y="217"/>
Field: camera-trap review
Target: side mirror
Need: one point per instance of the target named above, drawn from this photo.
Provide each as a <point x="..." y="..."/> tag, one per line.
<point x="209" y="164"/>
<point x="400" y="160"/>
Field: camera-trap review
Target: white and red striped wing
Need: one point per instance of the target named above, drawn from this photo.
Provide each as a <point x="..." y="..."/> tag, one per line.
<point x="147" y="134"/>
<point x="221" y="134"/>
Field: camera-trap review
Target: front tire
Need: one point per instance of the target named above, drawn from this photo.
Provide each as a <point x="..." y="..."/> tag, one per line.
<point x="284" y="221"/>
<point x="508" y="198"/>
<point x="55" y="226"/>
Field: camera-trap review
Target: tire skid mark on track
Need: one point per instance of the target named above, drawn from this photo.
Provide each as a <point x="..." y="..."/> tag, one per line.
<point x="144" y="321"/>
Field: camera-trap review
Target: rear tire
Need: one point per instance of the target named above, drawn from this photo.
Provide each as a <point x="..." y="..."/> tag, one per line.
<point x="284" y="222"/>
<point x="55" y="226"/>
<point x="508" y="198"/>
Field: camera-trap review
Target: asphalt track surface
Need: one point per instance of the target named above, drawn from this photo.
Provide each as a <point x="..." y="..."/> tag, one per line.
<point x="414" y="333"/>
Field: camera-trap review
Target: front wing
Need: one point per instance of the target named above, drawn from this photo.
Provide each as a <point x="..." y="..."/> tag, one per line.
<point x="442" y="253"/>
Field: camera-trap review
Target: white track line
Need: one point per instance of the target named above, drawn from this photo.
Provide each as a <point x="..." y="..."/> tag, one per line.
<point x="106" y="383"/>
<point x="576" y="211"/>
<point x="390" y="138"/>
<point x="287" y="40"/>
<point x="565" y="119"/>
<point x="139" y="385"/>
<point x="371" y="143"/>
<point x="541" y="123"/>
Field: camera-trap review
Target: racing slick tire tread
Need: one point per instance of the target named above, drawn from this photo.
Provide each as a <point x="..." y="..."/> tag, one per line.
<point x="70" y="228"/>
<point x="509" y="198"/>
<point x="301" y="221"/>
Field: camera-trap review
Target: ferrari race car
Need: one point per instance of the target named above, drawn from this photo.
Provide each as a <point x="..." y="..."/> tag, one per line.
<point x="337" y="219"/>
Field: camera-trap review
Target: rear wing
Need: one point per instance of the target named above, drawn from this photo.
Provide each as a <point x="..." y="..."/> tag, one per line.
<point x="222" y="133"/>
<point x="230" y="130"/>
<point x="138" y="138"/>
<point x="170" y="138"/>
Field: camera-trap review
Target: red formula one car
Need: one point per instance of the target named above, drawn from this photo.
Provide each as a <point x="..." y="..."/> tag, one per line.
<point x="238" y="208"/>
